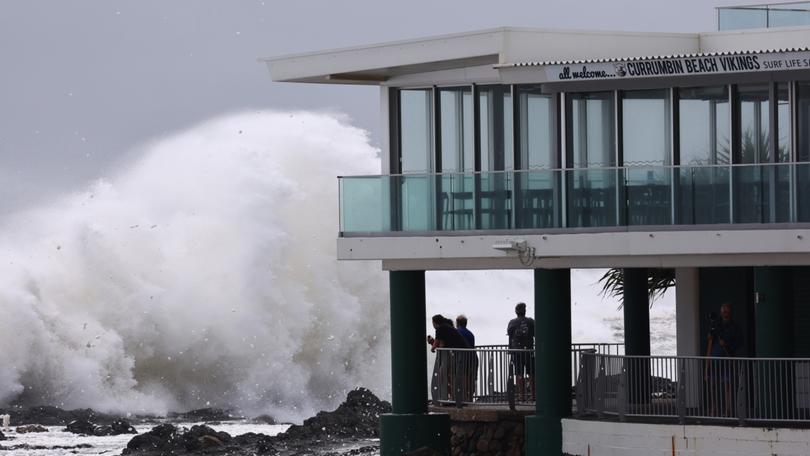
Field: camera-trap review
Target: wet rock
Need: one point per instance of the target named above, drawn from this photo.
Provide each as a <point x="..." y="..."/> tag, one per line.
<point x="2" y="436"/>
<point x="264" y="419"/>
<point x="85" y="427"/>
<point x="357" y="417"/>
<point x="54" y="416"/>
<point x="204" y="415"/>
<point x="82" y="427"/>
<point x="30" y="428"/>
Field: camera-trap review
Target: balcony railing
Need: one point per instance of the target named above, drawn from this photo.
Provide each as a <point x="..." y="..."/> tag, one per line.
<point x="576" y="198"/>
<point x="763" y="16"/>
<point x="494" y="375"/>
<point x="740" y="390"/>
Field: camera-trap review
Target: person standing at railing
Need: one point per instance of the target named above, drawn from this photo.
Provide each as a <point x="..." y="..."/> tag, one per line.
<point x="521" y="337"/>
<point x="447" y="337"/>
<point x="724" y="341"/>
<point x="470" y="361"/>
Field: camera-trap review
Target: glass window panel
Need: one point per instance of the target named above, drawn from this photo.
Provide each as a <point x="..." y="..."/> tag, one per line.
<point x="803" y="151"/>
<point x="538" y="129"/>
<point x="646" y="127"/>
<point x="754" y="124"/>
<point x="456" y="130"/>
<point x="495" y="132"/>
<point x="783" y="122"/>
<point x="415" y="133"/>
<point x="742" y="18"/>
<point x="592" y="129"/>
<point x="704" y="125"/>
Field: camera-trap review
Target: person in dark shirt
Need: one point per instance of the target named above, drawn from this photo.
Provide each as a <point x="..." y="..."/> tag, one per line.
<point x="450" y="364"/>
<point x="724" y="341"/>
<point x="521" y="338"/>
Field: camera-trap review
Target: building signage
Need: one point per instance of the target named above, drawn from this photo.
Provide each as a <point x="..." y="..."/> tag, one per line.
<point x="685" y="66"/>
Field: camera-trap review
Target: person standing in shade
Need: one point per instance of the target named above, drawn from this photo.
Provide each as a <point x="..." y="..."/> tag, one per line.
<point x="469" y="359"/>
<point x="521" y="337"/>
<point x="724" y="341"/>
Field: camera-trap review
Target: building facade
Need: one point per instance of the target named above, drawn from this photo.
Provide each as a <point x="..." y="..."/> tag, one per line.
<point x="548" y="150"/>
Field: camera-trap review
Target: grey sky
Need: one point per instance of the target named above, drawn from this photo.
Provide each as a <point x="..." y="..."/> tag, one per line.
<point x="83" y="82"/>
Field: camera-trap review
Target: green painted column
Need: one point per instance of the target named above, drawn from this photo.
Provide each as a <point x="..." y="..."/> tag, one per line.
<point x="774" y="312"/>
<point x="409" y="426"/>
<point x="636" y="306"/>
<point x="552" y="316"/>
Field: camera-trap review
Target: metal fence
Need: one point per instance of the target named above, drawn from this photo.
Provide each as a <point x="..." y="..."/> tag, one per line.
<point x="495" y="374"/>
<point x="686" y="388"/>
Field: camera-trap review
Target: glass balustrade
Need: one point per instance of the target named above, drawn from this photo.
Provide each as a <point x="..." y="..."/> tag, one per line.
<point x="763" y="16"/>
<point x="576" y="198"/>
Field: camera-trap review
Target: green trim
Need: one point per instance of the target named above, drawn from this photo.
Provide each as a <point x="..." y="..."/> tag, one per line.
<point x="552" y="315"/>
<point x="409" y="389"/>
<point x="636" y="305"/>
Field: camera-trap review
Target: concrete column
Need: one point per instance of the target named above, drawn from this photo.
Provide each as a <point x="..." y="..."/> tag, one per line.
<point x="409" y="426"/>
<point x="774" y="312"/>
<point x="552" y="316"/>
<point x="687" y="328"/>
<point x="687" y="312"/>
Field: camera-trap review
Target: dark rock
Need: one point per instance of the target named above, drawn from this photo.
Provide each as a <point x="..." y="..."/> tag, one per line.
<point x="85" y="427"/>
<point x="264" y="419"/>
<point x="119" y="427"/>
<point x="2" y="436"/>
<point x="82" y="427"/>
<point x="204" y="414"/>
<point x="358" y="417"/>
<point x="30" y="428"/>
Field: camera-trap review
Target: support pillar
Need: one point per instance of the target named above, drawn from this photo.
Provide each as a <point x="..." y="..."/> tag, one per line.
<point x="636" y="305"/>
<point x="687" y="330"/>
<point x="409" y="426"/>
<point x="552" y="316"/>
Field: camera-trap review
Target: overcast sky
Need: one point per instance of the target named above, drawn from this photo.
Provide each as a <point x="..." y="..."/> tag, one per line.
<point x="83" y="82"/>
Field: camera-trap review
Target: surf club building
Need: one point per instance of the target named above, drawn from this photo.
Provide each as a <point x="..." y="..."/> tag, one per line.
<point x="685" y="154"/>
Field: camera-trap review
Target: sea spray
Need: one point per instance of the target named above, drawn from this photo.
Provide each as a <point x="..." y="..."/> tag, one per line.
<point x="203" y="274"/>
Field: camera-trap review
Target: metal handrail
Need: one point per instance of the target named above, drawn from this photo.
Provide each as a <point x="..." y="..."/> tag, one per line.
<point x="495" y="374"/>
<point x="681" y="388"/>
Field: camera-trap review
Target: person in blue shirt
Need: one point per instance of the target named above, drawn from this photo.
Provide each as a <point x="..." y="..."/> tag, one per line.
<point x="461" y="325"/>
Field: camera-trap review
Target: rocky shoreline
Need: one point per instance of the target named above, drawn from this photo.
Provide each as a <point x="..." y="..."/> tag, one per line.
<point x="351" y="429"/>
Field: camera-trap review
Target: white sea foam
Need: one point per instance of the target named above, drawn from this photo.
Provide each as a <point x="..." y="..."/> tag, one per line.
<point x="203" y="274"/>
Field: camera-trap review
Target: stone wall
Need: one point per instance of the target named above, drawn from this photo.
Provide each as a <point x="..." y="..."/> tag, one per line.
<point x="482" y="432"/>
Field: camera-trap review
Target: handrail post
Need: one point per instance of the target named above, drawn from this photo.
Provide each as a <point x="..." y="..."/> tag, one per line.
<point x="740" y="376"/>
<point x="510" y="383"/>
<point x="681" y="391"/>
<point x="600" y="388"/>
<point x="621" y="394"/>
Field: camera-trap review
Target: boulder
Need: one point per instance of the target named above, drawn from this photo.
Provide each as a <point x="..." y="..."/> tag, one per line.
<point x="82" y="427"/>
<point x="2" y="436"/>
<point x="30" y="428"/>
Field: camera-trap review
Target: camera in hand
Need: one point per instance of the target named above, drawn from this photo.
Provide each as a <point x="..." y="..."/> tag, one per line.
<point x="714" y="324"/>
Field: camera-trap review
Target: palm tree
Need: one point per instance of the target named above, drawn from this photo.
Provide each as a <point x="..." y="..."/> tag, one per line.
<point x="658" y="282"/>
